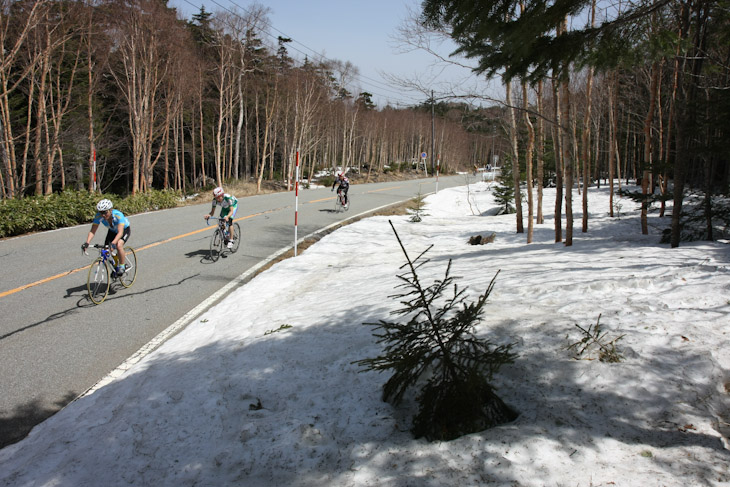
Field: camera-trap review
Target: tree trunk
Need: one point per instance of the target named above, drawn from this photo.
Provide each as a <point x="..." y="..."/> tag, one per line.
<point x="515" y="158"/>
<point x="528" y="163"/>
<point x="648" y="163"/>
<point x="558" y="143"/>
<point x="611" y="141"/>
<point x="540" y="152"/>
<point x="586" y="141"/>
<point x="568" y="163"/>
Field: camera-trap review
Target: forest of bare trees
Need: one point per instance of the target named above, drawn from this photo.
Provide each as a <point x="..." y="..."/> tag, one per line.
<point x="152" y="101"/>
<point x="130" y="91"/>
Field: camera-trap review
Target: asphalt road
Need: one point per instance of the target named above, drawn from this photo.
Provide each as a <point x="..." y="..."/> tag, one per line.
<point x="55" y="344"/>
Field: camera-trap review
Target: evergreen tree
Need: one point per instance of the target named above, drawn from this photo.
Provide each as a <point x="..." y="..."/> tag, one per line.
<point x="201" y="28"/>
<point x="438" y="349"/>
<point x="282" y="54"/>
<point x="525" y="43"/>
<point x="504" y="193"/>
<point x="365" y="100"/>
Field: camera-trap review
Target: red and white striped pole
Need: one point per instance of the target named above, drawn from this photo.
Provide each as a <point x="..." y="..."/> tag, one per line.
<point x="296" y="204"/>
<point x="438" y="166"/>
<point x="94" y="175"/>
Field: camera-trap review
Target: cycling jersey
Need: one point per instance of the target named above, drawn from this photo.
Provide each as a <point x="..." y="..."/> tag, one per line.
<point x="229" y="204"/>
<point x="344" y="183"/>
<point x="228" y="201"/>
<point x="117" y="218"/>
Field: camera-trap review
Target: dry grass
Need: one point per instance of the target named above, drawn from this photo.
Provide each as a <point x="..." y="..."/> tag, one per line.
<point x="239" y="189"/>
<point x="247" y="188"/>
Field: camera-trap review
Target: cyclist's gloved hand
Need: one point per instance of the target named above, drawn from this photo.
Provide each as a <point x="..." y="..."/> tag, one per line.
<point x="84" y="246"/>
<point x="114" y="246"/>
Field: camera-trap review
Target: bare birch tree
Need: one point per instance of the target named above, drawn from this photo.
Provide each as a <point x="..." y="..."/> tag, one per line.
<point x="515" y="156"/>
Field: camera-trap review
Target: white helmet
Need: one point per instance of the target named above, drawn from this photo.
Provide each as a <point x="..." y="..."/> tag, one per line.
<point x="104" y="205"/>
<point x="218" y="191"/>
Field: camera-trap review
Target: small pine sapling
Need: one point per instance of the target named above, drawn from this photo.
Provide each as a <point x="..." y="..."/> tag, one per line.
<point x="417" y="213"/>
<point x="594" y="340"/>
<point x="438" y="349"/>
<point x="504" y="192"/>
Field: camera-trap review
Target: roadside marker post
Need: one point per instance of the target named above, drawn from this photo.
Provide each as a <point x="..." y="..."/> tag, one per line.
<point x="296" y="203"/>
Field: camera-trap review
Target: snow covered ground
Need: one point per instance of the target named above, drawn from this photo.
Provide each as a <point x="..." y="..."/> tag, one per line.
<point x="261" y="389"/>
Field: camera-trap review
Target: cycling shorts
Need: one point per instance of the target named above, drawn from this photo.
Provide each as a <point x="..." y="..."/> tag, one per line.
<point x="111" y="235"/>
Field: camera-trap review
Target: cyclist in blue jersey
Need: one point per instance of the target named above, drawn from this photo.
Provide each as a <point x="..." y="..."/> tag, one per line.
<point x="228" y="204"/>
<point x="118" y="234"/>
<point x="344" y="183"/>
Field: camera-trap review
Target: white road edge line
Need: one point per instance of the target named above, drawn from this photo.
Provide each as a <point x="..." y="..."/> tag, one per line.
<point x="188" y="317"/>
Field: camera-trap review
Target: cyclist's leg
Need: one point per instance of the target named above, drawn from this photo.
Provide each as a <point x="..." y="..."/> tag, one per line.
<point x="345" y="191"/>
<point x="120" y="248"/>
<point x="231" y="229"/>
<point x="112" y="261"/>
<point x="110" y="235"/>
<point x="223" y="215"/>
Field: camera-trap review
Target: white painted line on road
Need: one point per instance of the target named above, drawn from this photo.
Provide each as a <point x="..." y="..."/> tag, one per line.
<point x="188" y="318"/>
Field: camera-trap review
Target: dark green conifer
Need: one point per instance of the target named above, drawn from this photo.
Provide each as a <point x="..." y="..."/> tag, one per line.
<point x="437" y="351"/>
<point x="504" y="193"/>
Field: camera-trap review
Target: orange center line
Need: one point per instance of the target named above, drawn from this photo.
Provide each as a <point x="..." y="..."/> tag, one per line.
<point x="320" y="200"/>
<point x="42" y="281"/>
<point x="154" y="244"/>
<point x="383" y="189"/>
<point x="366" y="192"/>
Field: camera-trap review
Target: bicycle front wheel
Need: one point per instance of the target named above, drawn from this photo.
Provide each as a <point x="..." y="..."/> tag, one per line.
<point x="216" y="245"/>
<point x="237" y="238"/>
<point x="128" y="278"/>
<point x="98" y="281"/>
<point x="338" y="204"/>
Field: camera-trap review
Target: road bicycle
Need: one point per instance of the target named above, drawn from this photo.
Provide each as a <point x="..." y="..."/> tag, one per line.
<point x="342" y="202"/>
<point x="219" y="240"/>
<point x="102" y="272"/>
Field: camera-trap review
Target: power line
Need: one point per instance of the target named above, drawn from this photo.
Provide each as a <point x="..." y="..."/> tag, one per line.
<point x="365" y="81"/>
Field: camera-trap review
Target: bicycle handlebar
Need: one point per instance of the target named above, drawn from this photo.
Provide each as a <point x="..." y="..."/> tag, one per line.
<point x="96" y="246"/>
<point x="207" y="220"/>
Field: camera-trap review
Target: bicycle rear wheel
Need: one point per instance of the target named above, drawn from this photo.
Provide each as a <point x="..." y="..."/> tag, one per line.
<point x="216" y="245"/>
<point x="98" y="281"/>
<point x="128" y="278"/>
<point x="237" y="238"/>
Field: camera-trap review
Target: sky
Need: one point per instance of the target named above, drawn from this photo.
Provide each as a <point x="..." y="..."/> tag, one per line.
<point x="261" y="389"/>
<point x="364" y="33"/>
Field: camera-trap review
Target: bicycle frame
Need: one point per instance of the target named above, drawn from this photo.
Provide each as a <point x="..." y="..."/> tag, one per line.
<point x="220" y="238"/>
<point x="99" y="278"/>
<point x="104" y="252"/>
<point x="342" y="202"/>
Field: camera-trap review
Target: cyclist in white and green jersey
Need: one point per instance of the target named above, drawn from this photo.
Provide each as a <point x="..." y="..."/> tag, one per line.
<point x="229" y="206"/>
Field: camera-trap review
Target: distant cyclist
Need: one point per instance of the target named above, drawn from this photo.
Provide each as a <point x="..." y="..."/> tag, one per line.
<point x="228" y="204"/>
<point x="119" y="231"/>
<point x="344" y="183"/>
